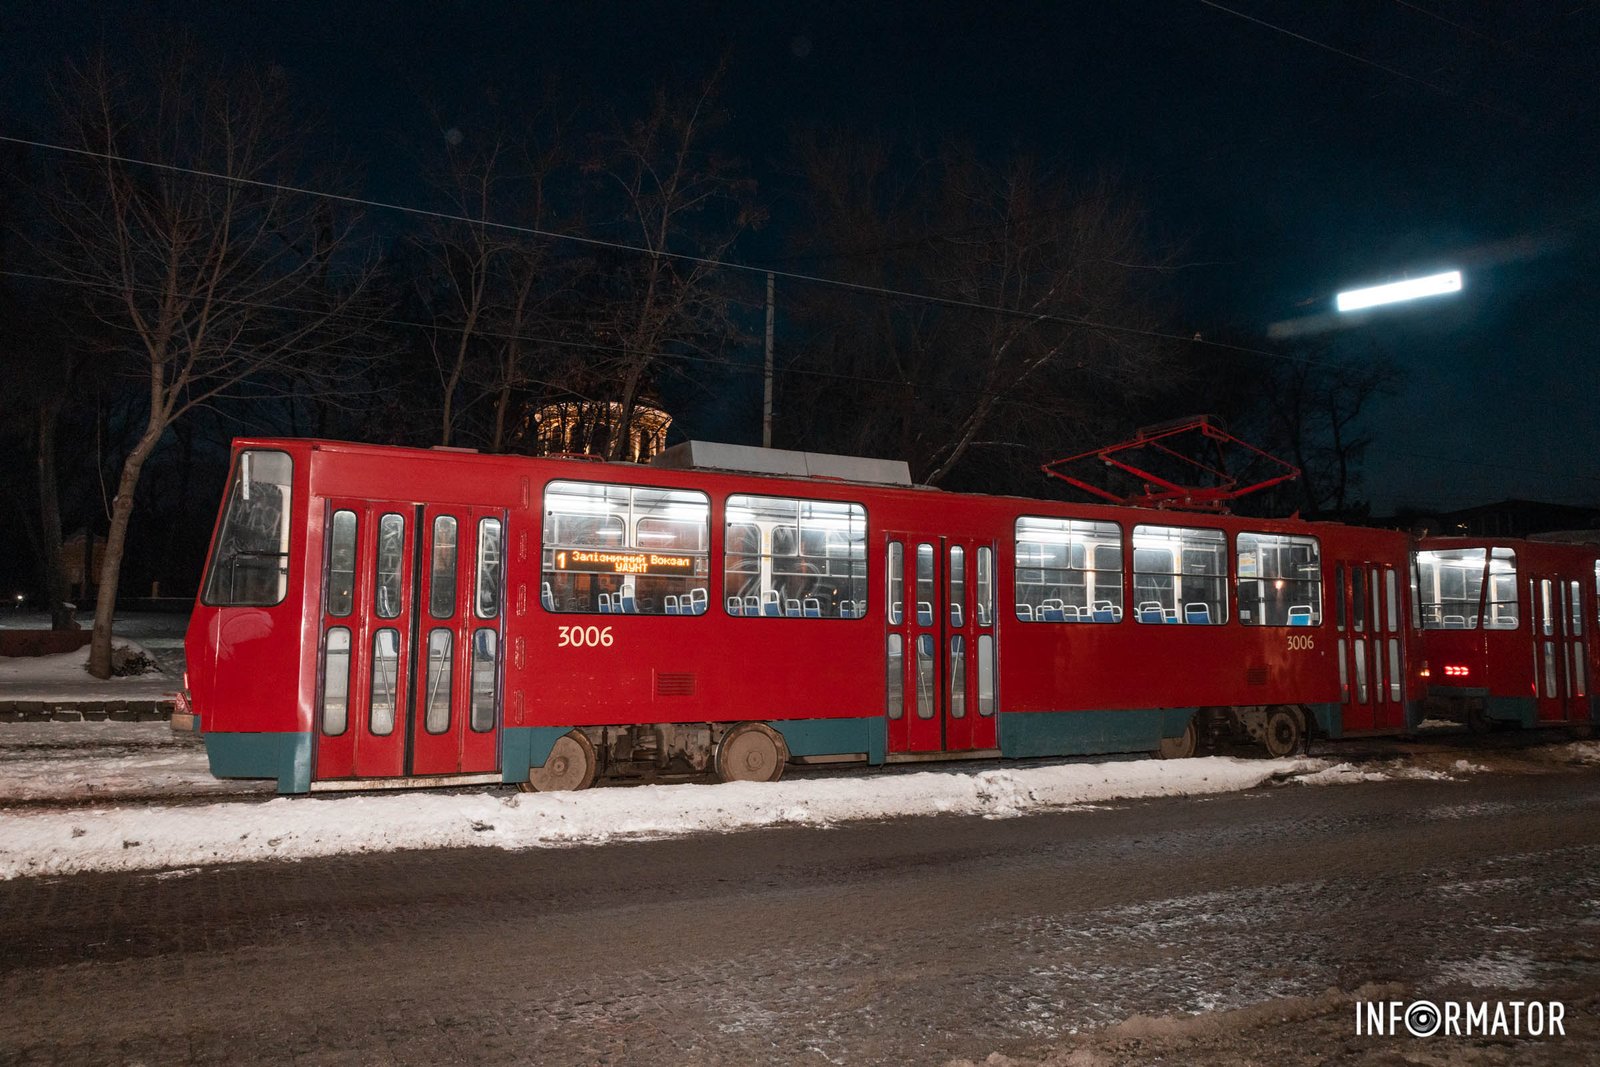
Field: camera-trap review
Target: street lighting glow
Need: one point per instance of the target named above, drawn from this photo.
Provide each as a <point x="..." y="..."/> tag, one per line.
<point x="1394" y="292"/>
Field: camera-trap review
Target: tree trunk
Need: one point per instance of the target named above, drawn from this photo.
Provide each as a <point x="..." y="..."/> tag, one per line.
<point x="105" y="605"/>
<point x="55" y="573"/>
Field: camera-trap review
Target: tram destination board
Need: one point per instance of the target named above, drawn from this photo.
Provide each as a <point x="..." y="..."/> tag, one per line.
<point x="623" y="562"/>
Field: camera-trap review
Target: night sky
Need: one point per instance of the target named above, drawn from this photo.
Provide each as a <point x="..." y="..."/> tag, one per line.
<point x="1285" y="169"/>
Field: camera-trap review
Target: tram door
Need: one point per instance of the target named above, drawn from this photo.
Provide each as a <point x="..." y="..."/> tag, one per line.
<point x="1559" y="654"/>
<point x="1369" y="615"/>
<point x="940" y="645"/>
<point x="410" y="644"/>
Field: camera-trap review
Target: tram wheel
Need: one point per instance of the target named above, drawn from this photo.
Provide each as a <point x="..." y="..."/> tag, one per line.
<point x="1284" y="734"/>
<point x="1178" y="747"/>
<point x="570" y="766"/>
<point x="751" y="752"/>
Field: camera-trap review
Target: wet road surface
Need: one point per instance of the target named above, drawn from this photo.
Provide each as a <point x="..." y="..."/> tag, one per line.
<point x="913" y="941"/>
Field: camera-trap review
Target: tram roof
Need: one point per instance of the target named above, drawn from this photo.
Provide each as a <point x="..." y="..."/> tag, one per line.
<point x="748" y="459"/>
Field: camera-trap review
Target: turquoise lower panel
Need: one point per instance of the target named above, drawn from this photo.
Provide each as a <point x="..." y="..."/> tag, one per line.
<point x="523" y="748"/>
<point x="286" y="757"/>
<point x="1521" y="710"/>
<point x="1087" y="733"/>
<point x="828" y="737"/>
<point x="1328" y="719"/>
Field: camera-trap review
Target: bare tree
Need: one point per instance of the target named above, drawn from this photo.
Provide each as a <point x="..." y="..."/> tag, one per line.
<point x="467" y="258"/>
<point x="1312" y="410"/>
<point x="951" y="384"/>
<point x="175" y="222"/>
<point x="673" y="194"/>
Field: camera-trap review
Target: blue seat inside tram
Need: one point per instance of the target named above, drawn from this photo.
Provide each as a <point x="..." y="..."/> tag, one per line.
<point x="1197" y="613"/>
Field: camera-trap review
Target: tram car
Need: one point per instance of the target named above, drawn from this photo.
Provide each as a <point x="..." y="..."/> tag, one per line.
<point x="373" y="617"/>
<point x="1508" y="630"/>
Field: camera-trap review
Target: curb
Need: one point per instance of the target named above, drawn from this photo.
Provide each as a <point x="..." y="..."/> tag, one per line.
<point x="85" y="710"/>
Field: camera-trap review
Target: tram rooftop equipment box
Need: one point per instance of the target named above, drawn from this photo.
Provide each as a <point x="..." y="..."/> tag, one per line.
<point x="710" y="455"/>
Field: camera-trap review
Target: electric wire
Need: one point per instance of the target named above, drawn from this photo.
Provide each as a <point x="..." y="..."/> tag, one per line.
<point x="619" y="246"/>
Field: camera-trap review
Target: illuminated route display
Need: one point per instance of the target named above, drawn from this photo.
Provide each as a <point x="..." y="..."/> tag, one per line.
<point x="570" y="559"/>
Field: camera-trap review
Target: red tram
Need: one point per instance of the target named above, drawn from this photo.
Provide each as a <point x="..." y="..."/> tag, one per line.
<point x="375" y="616"/>
<point x="1508" y="630"/>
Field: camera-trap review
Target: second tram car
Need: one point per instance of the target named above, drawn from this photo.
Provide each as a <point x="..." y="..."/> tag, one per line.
<point x="1507" y="629"/>
<point x="374" y="616"/>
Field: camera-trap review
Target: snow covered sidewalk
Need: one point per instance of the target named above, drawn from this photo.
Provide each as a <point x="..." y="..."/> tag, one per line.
<point x="62" y="679"/>
<point x="142" y="837"/>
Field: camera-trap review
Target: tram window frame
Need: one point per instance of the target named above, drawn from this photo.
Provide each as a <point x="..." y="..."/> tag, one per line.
<point x="809" y="558"/>
<point x="255" y="527"/>
<point x="1061" y="564"/>
<point x="1172" y="587"/>
<point x="618" y="518"/>
<point x="1296" y="579"/>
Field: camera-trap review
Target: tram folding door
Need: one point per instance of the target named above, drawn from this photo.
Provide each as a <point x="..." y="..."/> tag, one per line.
<point x="410" y="640"/>
<point x="1559" y="653"/>
<point x="1370" y="616"/>
<point x="940" y="645"/>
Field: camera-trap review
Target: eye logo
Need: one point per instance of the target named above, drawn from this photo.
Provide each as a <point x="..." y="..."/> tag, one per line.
<point x="1423" y="1018"/>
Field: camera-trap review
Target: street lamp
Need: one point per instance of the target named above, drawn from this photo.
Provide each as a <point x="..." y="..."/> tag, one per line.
<point x="1395" y="292"/>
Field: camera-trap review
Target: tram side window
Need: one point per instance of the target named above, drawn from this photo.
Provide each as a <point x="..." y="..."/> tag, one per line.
<point x="1450" y="585"/>
<point x="342" y="564"/>
<point x="442" y="582"/>
<point x="1180" y="575"/>
<point x="250" y="563"/>
<point x="1068" y="570"/>
<point x="798" y="559"/>
<point x="1280" y="580"/>
<point x="625" y="550"/>
<point x="490" y="559"/>
<point x="1500" y="607"/>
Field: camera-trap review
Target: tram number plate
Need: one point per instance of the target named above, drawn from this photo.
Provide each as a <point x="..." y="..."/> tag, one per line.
<point x="583" y="637"/>
<point x="1301" y="642"/>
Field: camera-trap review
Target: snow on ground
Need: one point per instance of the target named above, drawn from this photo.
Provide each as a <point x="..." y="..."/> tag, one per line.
<point x="81" y="762"/>
<point x="64" y="678"/>
<point x="113" y="837"/>
<point x="158" y="632"/>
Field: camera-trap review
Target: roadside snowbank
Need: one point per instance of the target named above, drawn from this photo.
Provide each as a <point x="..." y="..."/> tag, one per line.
<point x="140" y="837"/>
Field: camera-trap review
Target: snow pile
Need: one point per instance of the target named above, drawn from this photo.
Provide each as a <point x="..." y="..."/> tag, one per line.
<point x="131" y="838"/>
<point x="1350" y="774"/>
<point x="1583" y="752"/>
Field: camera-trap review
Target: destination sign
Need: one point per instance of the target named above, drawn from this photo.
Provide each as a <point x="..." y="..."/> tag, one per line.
<point x="571" y="559"/>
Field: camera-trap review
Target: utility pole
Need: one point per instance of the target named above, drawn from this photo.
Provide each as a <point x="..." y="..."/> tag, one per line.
<point x="766" y="399"/>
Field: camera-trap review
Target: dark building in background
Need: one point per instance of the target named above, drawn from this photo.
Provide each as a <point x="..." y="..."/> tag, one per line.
<point x="1507" y="518"/>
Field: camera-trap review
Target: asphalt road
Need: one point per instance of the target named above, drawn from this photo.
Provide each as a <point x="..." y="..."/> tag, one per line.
<point x="915" y="941"/>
